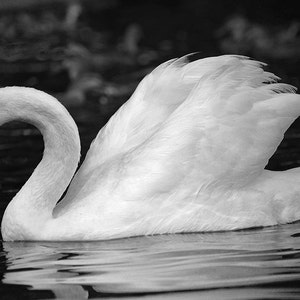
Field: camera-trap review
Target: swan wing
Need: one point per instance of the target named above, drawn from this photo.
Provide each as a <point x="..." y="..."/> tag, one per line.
<point x="227" y="121"/>
<point x="224" y="132"/>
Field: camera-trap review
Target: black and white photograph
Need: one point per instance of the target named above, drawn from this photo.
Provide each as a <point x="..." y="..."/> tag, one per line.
<point x="150" y="149"/>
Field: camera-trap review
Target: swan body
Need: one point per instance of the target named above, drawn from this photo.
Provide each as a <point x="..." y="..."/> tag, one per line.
<point x="186" y="153"/>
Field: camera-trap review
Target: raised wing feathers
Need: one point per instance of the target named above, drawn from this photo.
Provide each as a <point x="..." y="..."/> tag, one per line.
<point x="225" y="131"/>
<point x="210" y="122"/>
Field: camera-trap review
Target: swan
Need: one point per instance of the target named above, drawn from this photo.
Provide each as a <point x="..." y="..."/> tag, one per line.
<point x="186" y="153"/>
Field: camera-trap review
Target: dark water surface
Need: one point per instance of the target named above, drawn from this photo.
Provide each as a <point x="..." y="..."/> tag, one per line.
<point x="251" y="264"/>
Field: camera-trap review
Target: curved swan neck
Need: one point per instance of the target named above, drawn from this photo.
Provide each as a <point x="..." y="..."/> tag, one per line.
<point x="32" y="207"/>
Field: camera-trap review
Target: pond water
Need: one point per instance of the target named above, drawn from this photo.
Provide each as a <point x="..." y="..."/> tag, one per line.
<point x="250" y="264"/>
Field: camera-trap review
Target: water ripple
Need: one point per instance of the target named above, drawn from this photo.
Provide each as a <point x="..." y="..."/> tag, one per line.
<point x="251" y="264"/>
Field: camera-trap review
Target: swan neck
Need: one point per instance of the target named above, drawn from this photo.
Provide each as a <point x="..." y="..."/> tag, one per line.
<point x="29" y="211"/>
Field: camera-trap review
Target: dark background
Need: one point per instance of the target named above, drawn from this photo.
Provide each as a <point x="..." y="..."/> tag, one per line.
<point x="114" y="37"/>
<point x="91" y="55"/>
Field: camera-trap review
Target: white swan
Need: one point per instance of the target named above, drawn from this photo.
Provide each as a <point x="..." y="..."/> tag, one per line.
<point x="186" y="153"/>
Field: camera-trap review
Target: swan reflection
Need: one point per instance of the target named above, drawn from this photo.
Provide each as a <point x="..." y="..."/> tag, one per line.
<point x="156" y="264"/>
